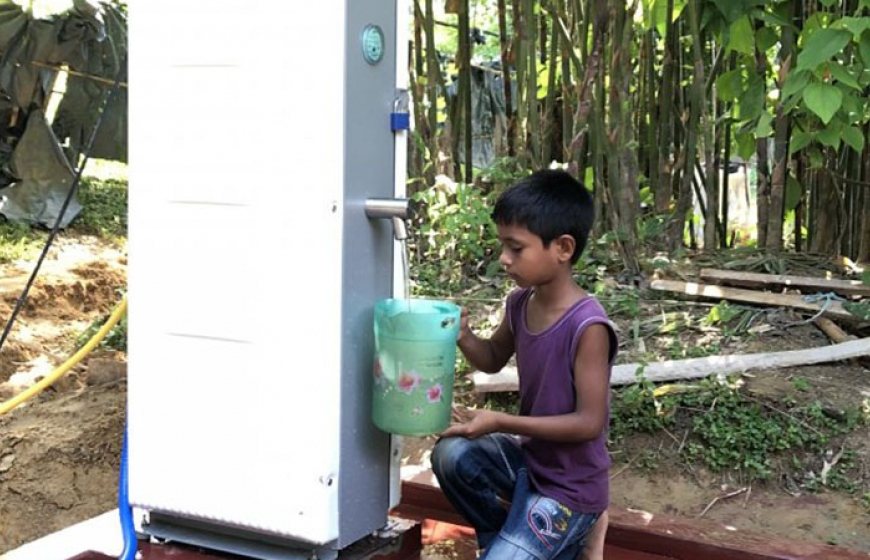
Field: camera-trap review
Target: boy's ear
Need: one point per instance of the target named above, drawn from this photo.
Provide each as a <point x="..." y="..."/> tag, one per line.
<point x="565" y="245"/>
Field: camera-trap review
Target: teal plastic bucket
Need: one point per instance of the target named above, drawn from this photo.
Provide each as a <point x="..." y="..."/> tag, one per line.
<point x="415" y="354"/>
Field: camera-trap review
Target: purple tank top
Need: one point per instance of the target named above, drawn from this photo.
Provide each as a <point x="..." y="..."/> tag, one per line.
<point x="575" y="474"/>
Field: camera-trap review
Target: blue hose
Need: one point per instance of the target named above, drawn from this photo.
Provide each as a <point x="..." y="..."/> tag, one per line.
<point x="127" y="527"/>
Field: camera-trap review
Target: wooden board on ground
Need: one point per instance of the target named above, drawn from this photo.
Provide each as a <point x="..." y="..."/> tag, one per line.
<point x="834" y="332"/>
<point x="695" y="368"/>
<point x="832" y="309"/>
<point x="805" y="283"/>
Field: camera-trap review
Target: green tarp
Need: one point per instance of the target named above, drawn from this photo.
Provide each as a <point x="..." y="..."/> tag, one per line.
<point x="90" y="39"/>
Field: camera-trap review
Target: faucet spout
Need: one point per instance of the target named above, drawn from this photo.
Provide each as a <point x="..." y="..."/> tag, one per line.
<point x="397" y="210"/>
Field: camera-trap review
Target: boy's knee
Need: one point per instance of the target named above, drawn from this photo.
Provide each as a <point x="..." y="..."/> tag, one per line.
<point x="446" y="455"/>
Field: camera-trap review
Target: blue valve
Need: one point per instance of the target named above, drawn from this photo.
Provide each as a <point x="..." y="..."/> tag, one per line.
<point x="400" y="118"/>
<point x="400" y="121"/>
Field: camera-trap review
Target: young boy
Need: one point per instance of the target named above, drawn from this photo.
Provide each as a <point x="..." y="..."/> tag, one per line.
<point x="538" y="496"/>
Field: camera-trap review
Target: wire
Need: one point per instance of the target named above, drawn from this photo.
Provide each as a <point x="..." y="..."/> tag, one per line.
<point x="69" y="196"/>
<point x="128" y="528"/>
<point x="49" y="379"/>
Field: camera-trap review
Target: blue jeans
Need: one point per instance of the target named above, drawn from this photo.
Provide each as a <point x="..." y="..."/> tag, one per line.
<point x="487" y="482"/>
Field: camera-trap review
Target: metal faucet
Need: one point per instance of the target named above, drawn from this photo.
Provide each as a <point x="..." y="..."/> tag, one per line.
<point x="397" y="210"/>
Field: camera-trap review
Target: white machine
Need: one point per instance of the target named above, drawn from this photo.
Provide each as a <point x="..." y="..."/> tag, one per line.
<point x="258" y="131"/>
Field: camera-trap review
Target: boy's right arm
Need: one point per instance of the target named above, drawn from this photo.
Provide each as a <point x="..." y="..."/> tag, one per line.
<point x="486" y="354"/>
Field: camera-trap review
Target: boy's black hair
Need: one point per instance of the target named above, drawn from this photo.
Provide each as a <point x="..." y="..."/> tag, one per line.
<point x="549" y="203"/>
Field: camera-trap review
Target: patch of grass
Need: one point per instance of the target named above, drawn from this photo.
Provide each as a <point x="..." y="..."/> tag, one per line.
<point x="504" y="402"/>
<point x="636" y="409"/>
<point x="679" y="350"/>
<point x="801" y="384"/>
<point x="104" y="213"/>
<point x="104" y="208"/>
<point x="730" y="430"/>
<point x="19" y="241"/>
<point x="115" y="339"/>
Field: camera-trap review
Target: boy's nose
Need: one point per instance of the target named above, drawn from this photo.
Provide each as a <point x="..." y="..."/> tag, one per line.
<point x="504" y="259"/>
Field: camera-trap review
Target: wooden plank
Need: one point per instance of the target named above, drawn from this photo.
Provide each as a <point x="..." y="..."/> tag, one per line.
<point x="833" y="309"/>
<point x="639" y="531"/>
<point x="833" y="330"/>
<point x="806" y="283"/>
<point x="695" y="368"/>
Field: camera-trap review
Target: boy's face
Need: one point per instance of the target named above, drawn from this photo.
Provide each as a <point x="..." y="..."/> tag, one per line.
<point x="525" y="258"/>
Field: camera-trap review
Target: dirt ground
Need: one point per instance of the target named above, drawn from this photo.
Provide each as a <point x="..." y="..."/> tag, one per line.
<point x="59" y="453"/>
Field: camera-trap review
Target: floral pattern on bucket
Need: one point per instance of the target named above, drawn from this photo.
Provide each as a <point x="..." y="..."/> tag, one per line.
<point x="408" y="382"/>
<point x="435" y="393"/>
<point x="378" y="372"/>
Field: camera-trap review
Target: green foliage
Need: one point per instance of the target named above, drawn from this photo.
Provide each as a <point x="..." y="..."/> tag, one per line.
<point x="823" y="99"/>
<point x="503" y="172"/>
<point x="18" y="241"/>
<point x="104" y="207"/>
<point x="728" y="430"/>
<point x="744" y="434"/>
<point x="455" y="236"/>
<point x="504" y="402"/>
<point x="742" y="37"/>
<point x="732" y="319"/>
<point x="801" y="384"/>
<point x="860" y="309"/>
<point x="635" y="409"/>
<point x="115" y="338"/>
<point x="821" y="46"/>
<point x="679" y="350"/>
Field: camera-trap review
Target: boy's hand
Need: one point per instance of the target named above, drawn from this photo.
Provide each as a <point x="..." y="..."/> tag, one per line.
<point x="464" y="329"/>
<point x="481" y="422"/>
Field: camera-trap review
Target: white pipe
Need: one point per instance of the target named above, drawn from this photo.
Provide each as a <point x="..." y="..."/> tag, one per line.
<point x="400" y="172"/>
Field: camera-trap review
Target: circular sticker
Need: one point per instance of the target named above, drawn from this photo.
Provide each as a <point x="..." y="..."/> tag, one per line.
<point x="372" y="44"/>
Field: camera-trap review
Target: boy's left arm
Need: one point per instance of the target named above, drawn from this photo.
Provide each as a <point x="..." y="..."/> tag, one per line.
<point x="591" y="383"/>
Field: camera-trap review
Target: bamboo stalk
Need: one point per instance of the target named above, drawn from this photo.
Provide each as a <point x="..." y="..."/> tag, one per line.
<point x="431" y="84"/>
<point x="534" y="120"/>
<point x="506" y="74"/>
<point x="465" y="86"/>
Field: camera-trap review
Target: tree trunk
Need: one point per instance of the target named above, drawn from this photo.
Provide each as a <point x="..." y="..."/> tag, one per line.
<point x="568" y="101"/>
<point x="654" y="151"/>
<point x="550" y="123"/>
<point x="706" y="133"/>
<point x="585" y="102"/>
<point x="825" y="231"/>
<point x="726" y="183"/>
<point x="521" y="65"/>
<point x="506" y="75"/>
<point x="864" y="250"/>
<point x="800" y="210"/>
<point x="418" y="166"/>
<point x="534" y="120"/>
<point x="665" y="166"/>
<point x="762" y="191"/>
<point x="780" y="145"/>
<point x="864" y="244"/>
<point x="688" y="156"/>
<point x="621" y="153"/>
<point x="431" y="86"/>
<point x="465" y="89"/>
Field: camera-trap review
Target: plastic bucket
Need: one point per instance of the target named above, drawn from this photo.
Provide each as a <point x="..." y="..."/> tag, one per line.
<point x="415" y="354"/>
